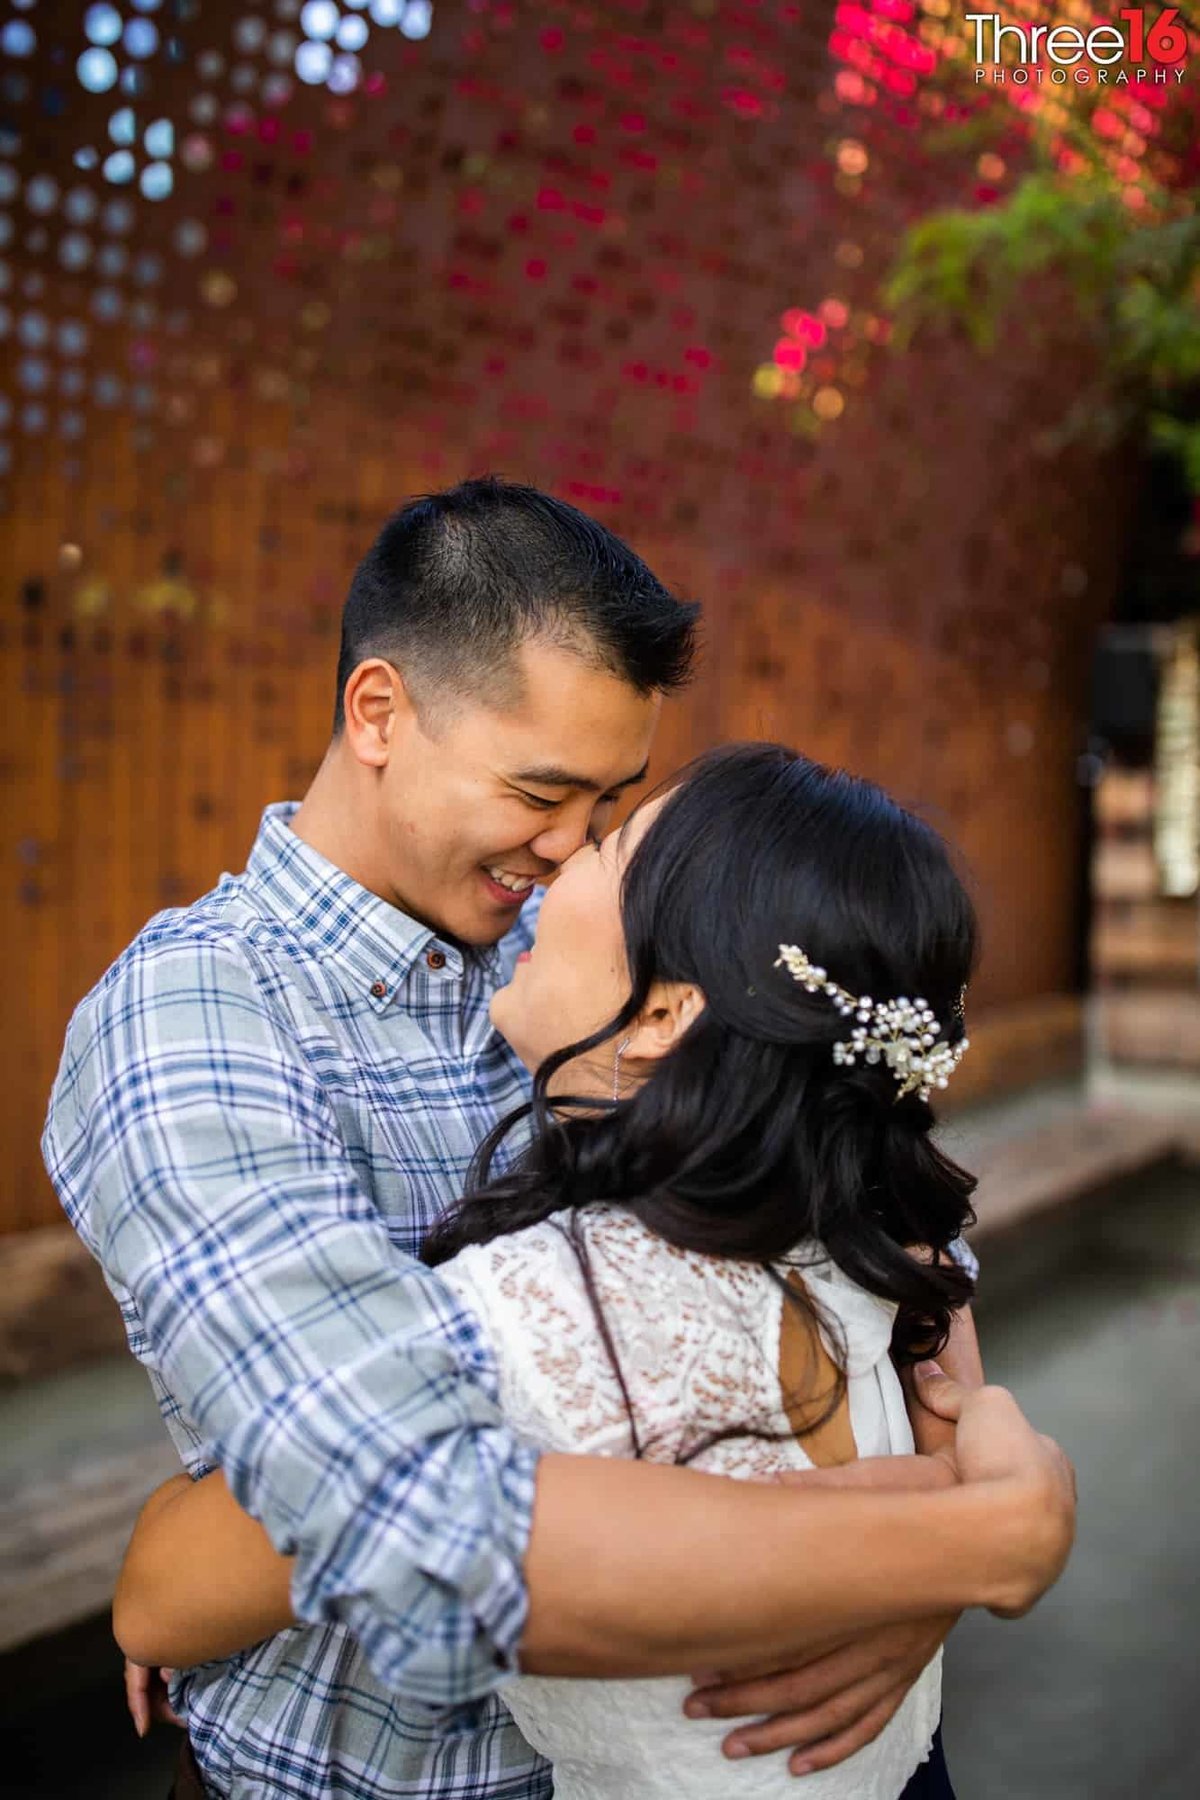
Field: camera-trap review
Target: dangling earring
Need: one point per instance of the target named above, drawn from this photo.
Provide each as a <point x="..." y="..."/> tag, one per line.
<point x="622" y="1047"/>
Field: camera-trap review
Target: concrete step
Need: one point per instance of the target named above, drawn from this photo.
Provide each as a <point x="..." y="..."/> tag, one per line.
<point x="1079" y="1154"/>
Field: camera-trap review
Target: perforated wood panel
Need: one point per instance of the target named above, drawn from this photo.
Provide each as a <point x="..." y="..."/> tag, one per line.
<point x="563" y="242"/>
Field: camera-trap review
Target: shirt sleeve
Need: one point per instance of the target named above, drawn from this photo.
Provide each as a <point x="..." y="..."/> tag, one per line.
<point x="966" y="1258"/>
<point x="343" y="1389"/>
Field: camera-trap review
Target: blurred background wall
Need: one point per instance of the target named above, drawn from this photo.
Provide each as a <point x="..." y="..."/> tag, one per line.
<point x="269" y="272"/>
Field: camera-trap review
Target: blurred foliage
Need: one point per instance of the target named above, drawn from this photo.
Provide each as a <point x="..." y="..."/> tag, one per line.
<point x="1080" y="224"/>
<point x="1134" y="281"/>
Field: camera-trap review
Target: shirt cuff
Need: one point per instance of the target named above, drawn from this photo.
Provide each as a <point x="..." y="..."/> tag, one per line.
<point x="963" y="1254"/>
<point x="447" y="1548"/>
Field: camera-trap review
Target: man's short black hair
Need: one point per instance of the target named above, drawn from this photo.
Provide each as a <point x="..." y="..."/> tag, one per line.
<point x="457" y="581"/>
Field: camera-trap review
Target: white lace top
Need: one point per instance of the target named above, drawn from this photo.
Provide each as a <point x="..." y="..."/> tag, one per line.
<point x="698" y="1338"/>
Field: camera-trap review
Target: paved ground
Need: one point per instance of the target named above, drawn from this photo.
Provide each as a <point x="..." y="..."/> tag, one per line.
<point x="1094" y="1318"/>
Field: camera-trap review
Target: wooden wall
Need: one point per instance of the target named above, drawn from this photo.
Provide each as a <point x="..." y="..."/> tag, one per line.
<point x="560" y="244"/>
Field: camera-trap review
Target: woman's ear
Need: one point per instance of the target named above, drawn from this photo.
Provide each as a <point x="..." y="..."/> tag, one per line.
<point x="671" y="1008"/>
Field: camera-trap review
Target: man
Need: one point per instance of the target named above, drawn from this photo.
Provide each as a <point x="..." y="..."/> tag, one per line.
<point x="265" y="1103"/>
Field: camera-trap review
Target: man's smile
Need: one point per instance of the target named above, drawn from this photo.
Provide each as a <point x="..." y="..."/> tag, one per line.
<point x="507" y="885"/>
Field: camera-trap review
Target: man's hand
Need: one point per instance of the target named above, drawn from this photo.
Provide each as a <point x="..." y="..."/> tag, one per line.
<point x="146" y="1697"/>
<point x="933" y="1436"/>
<point x="995" y="1443"/>
<point x="840" y="1701"/>
<point x="827" y="1710"/>
<point x="961" y="1360"/>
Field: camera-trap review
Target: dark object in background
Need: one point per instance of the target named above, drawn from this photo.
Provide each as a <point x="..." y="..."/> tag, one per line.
<point x="1162" y="569"/>
<point x="1125" y="693"/>
<point x="55" y="1309"/>
<point x="64" y="1730"/>
<point x="188" y="1784"/>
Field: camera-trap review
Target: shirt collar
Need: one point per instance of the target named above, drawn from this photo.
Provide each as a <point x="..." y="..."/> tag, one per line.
<point x="374" y="943"/>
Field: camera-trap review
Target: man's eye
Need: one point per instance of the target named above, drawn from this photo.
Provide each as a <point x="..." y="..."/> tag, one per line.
<point x="538" y="800"/>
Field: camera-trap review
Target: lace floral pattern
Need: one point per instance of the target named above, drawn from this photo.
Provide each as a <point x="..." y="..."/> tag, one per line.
<point x="697" y="1339"/>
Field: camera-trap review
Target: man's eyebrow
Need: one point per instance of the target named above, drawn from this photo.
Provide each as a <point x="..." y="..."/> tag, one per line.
<point x="550" y="775"/>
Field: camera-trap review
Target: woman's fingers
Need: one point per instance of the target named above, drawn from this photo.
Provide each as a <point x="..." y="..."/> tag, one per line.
<point x="856" y="1714"/>
<point x="146" y="1696"/>
<point x="137" y="1696"/>
<point x="162" y="1706"/>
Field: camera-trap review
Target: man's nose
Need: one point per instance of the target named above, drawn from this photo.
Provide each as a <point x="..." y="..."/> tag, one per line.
<point x="563" y="838"/>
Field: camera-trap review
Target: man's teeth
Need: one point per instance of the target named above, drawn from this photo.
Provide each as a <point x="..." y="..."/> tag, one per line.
<point x="516" y="884"/>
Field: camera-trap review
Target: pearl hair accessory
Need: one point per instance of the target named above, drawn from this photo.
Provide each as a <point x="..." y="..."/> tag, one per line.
<point x="902" y="1033"/>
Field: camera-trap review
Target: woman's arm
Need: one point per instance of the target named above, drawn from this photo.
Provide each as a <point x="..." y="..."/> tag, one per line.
<point x="200" y="1578"/>
<point x="962" y="1361"/>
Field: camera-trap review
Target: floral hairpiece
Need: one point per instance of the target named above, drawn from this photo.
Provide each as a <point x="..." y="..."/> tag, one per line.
<point x="902" y="1033"/>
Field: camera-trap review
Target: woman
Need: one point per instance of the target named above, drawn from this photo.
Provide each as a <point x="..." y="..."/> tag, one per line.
<point x="730" y="1217"/>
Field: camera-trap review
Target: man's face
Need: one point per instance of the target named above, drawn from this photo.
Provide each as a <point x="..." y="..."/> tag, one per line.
<point x="576" y="978"/>
<point x="480" y="806"/>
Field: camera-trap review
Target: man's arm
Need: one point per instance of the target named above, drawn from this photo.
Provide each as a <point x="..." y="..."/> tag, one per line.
<point x="338" y="1384"/>
<point x="644" y="1569"/>
<point x="201" y="1579"/>
<point x="629" y="1572"/>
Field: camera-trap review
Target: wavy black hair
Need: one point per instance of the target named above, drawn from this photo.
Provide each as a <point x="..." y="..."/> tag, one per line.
<point x="747" y="1139"/>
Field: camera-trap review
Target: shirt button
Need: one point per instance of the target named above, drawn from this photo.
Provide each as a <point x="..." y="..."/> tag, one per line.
<point x="379" y="989"/>
<point x="436" y="959"/>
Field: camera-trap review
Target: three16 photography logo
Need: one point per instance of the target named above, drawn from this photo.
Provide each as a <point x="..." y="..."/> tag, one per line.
<point x="1148" y="47"/>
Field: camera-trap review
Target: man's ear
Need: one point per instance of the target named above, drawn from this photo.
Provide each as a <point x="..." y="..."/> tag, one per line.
<point x="376" y="705"/>
<point x="671" y="1008"/>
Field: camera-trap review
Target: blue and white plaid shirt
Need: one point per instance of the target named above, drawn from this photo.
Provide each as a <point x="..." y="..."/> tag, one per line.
<point x="260" y="1110"/>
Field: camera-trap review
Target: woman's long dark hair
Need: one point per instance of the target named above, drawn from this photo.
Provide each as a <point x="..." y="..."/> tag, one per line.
<point x="747" y="1139"/>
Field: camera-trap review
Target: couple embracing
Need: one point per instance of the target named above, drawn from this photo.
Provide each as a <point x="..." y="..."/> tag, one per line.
<point x="547" y="1285"/>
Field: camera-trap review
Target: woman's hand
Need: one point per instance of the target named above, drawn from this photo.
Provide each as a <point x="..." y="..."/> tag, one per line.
<point x="829" y="1708"/>
<point x="146" y="1697"/>
<point x="826" y="1709"/>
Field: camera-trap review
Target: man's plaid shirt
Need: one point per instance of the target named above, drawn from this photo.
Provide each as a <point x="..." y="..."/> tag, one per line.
<point x="260" y="1109"/>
